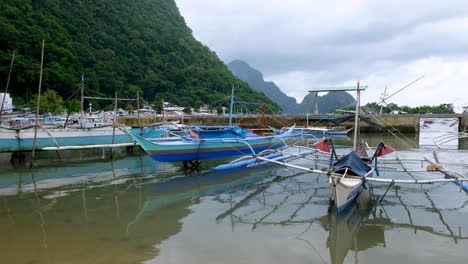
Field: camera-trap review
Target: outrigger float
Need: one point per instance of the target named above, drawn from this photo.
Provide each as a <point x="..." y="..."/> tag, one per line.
<point x="353" y="172"/>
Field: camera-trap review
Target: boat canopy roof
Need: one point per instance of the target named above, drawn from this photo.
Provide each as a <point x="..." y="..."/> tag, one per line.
<point x="353" y="163"/>
<point x="221" y="132"/>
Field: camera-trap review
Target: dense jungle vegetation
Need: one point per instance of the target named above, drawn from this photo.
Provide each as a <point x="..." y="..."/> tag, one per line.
<point x="118" y="46"/>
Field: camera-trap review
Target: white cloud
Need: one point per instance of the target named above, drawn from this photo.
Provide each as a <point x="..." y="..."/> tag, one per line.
<point x="300" y="44"/>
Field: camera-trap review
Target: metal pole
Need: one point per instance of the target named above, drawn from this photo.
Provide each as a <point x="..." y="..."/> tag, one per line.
<point x="8" y="83"/>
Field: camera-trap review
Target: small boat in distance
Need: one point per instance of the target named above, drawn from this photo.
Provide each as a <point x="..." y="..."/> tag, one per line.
<point x="318" y="132"/>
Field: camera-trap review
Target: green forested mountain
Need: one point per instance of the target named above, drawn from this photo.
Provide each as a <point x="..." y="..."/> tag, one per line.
<point x="123" y="46"/>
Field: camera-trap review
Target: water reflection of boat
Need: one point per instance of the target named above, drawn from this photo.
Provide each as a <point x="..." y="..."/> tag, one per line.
<point x="94" y="214"/>
<point x="214" y="182"/>
<point x="359" y="228"/>
<point x="346" y="232"/>
<point x="53" y="175"/>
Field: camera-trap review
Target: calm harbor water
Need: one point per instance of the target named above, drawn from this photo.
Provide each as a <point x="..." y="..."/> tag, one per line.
<point x="88" y="209"/>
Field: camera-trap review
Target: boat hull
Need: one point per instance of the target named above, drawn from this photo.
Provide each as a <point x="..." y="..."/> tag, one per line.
<point x="22" y="139"/>
<point x="345" y="190"/>
<point x="185" y="150"/>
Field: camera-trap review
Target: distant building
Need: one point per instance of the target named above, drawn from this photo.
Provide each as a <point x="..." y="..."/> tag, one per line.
<point x="169" y="109"/>
<point x="8" y="104"/>
<point x="465" y="109"/>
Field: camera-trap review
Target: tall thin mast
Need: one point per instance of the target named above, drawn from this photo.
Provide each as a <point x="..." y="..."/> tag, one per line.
<point x="38" y="102"/>
<point x="8" y="83"/>
<point x="115" y="119"/>
<point x="230" y="108"/>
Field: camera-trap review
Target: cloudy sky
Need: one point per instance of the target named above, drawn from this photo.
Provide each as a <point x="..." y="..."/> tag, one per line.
<point x="301" y="44"/>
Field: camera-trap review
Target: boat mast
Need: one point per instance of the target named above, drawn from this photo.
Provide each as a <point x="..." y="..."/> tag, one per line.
<point x="115" y="118"/>
<point x="82" y="100"/>
<point x="356" y="118"/>
<point x="38" y="103"/>
<point x="8" y="83"/>
<point x="232" y="103"/>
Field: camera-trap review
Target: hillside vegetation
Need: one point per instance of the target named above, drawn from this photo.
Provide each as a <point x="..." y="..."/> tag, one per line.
<point x="123" y="46"/>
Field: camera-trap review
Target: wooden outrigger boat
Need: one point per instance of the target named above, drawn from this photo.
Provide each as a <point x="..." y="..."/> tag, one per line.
<point x="210" y="143"/>
<point x="353" y="172"/>
<point x="198" y="147"/>
<point x="21" y="139"/>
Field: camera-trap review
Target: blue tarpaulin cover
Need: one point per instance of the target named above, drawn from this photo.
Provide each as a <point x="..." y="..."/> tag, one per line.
<point x="353" y="163"/>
